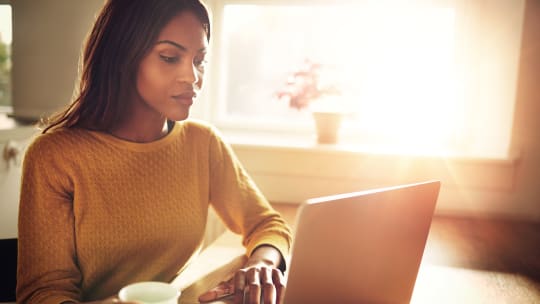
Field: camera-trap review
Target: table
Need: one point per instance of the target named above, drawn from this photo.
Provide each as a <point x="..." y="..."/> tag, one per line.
<point x="435" y="283"/>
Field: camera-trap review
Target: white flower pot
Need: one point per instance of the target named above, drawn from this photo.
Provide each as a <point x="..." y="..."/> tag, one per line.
<point x="327" y="125"/>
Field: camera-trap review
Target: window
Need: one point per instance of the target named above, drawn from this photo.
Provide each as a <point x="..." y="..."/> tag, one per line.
<point x="5" y="57"/>
<point x="425" y="76"/>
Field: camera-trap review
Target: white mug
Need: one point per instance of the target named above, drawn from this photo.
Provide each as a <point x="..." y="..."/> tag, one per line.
<point x="150" y="293"/>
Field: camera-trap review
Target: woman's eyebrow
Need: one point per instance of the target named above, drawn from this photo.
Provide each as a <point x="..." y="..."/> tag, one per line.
<point x="179" y="46"/>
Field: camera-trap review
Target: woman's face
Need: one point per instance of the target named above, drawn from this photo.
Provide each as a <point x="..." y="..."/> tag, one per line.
<point x="171" y="75"/>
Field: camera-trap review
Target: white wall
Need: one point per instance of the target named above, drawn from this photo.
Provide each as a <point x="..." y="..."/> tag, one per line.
<point x="526" y="132"/>
<point x="293" y="174"/>
<point x="47" y="38"/>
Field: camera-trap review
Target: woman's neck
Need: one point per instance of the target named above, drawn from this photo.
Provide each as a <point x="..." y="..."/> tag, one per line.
<point x="141" y="131"/>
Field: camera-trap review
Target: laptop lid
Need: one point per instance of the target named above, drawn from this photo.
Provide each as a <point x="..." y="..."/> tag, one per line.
<point x="361" y="247"/>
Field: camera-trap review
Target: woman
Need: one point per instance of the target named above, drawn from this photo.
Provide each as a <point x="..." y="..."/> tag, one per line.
<point x="117" y="188"/>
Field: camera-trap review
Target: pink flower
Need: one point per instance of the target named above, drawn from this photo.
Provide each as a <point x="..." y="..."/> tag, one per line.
<point x="302" y="86"/>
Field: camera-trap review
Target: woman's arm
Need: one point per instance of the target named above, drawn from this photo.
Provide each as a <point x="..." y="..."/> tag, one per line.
<point x="241" y="205"/>
<point x="47" y="264"/>
<point x="266" y="235"/>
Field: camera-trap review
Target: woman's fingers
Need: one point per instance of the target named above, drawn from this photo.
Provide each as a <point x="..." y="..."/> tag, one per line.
<point x="254" y="286"/>
<point x="222" y="290"/>
<point x="239" y="286"/>
<point x="268" y="288"/>
<point x="257" y="285"/>
<point x="279" y="283"/>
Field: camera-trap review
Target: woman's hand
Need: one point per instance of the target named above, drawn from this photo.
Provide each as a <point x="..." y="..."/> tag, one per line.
<point x="259" y="281"/>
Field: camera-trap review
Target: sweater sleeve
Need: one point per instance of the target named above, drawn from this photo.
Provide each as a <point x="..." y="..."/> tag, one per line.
<point x="47" y="265"/>
<point x="241" y="205"/>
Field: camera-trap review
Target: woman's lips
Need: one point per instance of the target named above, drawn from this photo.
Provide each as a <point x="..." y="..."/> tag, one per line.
<point x="185" y="98"/>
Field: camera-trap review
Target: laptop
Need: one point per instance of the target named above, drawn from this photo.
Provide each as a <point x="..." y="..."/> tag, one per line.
<point x="361" y="247"/>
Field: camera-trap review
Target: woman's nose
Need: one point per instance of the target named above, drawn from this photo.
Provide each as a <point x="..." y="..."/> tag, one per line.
<point x="188" y="73"/>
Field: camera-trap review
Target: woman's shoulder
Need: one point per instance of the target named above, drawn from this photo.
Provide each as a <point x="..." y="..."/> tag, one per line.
<point x="56" y="141"/>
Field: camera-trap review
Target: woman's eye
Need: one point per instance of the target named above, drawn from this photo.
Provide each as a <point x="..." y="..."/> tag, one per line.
<point x="169" y="59"/>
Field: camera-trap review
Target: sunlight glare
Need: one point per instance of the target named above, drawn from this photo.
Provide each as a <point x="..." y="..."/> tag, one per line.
<point x="404" y="85"/>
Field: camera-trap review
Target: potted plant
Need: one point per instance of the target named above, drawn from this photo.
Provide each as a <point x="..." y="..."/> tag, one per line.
<point x="306" y="88"/>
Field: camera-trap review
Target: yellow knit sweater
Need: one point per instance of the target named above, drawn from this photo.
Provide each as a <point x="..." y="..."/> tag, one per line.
<point x="97" y="213"/>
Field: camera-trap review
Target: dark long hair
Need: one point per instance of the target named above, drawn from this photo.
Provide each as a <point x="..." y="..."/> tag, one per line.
<point x="123" y="33"/>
